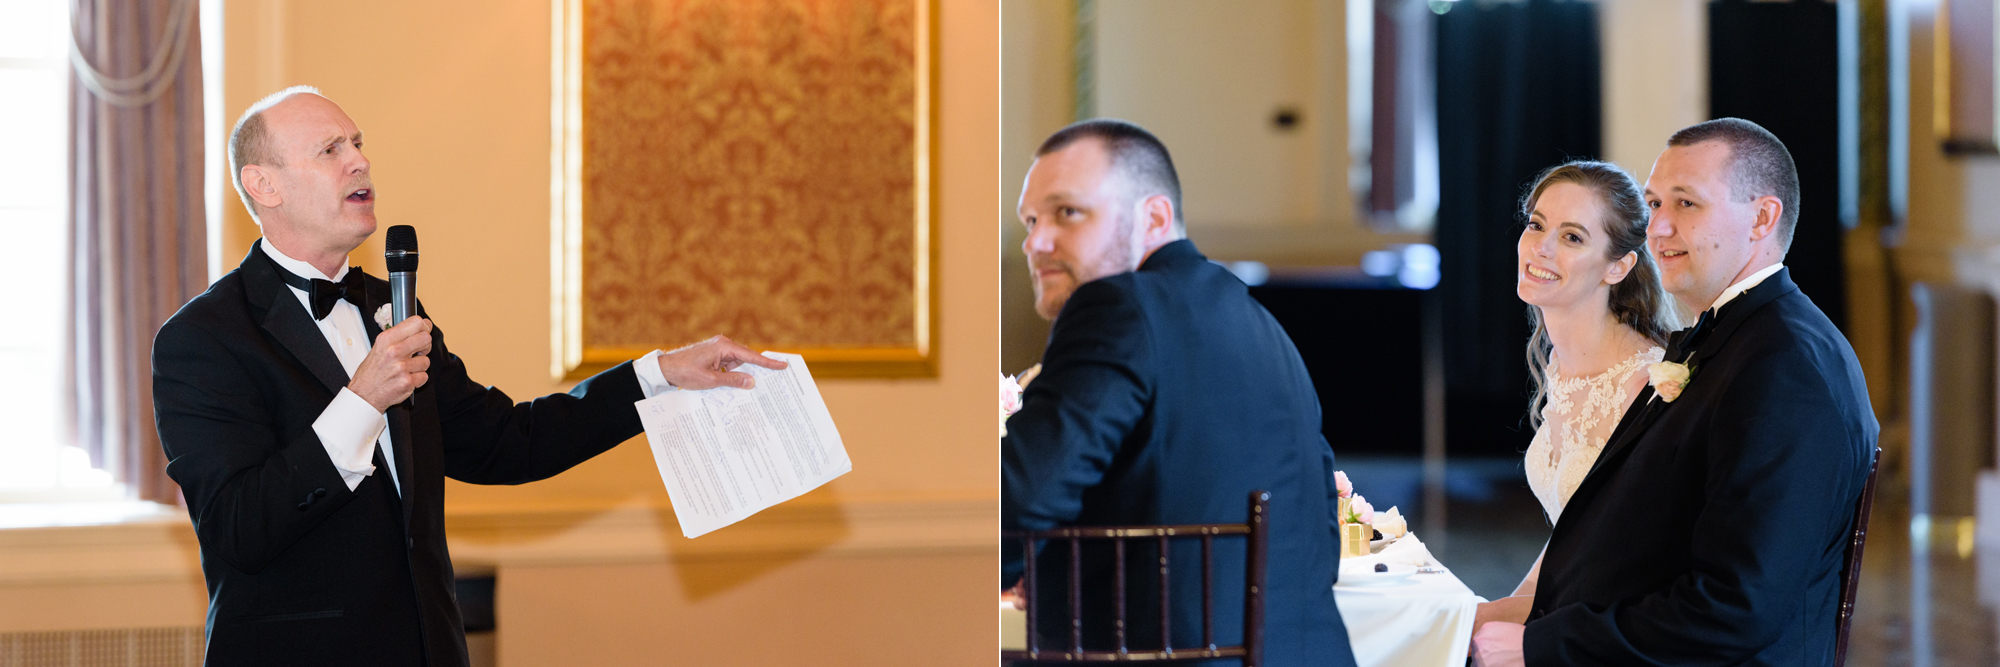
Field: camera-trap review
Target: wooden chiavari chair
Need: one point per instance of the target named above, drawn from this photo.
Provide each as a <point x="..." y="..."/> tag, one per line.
<point x="1850" y="571"/>
<point x="1257" y="531"/>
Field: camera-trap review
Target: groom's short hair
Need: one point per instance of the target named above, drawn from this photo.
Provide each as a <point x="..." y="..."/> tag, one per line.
<point x="1759" y="165"/>
<point x="1135" y="153"/>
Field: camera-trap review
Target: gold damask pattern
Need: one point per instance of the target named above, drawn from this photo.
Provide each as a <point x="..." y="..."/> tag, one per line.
<point x="749" y="168"/>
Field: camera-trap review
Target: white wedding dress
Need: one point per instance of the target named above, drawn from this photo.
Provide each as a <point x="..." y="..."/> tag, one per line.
<point x="1577" y="420"/>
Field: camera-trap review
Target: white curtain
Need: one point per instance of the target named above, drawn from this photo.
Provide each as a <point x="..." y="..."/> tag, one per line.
<point x="138" y="232"/>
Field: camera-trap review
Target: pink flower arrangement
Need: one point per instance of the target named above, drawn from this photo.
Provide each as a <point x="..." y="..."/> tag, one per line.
<point x="1359" y="511"/>
<point x="1341" y="485"/>
<point x="1010" y="394"/>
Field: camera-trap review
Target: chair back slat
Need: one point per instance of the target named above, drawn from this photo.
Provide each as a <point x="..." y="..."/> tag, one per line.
<point x="1253" y="614"/>
<point x="1118" y="595"/>
<point x="1166" y="622"/>
<point x="1075" y="595"/>
<point x="1257" y="531"/>
<point x="1028" y="577"/>
<point x="1850" y="569"/>
<point x="1208" y="592"/>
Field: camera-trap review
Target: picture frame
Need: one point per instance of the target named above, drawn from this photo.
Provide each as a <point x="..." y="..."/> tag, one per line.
<point x="710" y="200"/>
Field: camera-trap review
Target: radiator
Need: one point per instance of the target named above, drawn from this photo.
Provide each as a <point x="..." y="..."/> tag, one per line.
<point x="125" y="647"/>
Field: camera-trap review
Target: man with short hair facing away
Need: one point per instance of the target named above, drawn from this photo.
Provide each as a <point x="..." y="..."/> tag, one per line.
<point x="1713" y="528"/>
<point x="311" y="437"/>
<point x="1166" y="396"/>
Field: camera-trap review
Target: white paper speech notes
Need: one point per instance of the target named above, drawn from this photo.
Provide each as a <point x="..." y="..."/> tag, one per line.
<point x="728" y="453"/>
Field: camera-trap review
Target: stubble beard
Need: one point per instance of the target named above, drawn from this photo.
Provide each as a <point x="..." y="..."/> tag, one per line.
<point x="1118" y="257"/>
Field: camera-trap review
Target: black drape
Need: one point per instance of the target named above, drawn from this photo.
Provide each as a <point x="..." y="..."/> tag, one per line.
<point x="1775" y="64"/>
<point x="1517" y="92"/>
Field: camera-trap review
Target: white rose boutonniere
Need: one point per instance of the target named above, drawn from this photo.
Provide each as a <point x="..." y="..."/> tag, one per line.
<point x="382" y="317"/>
<point x="1668" y="379"/>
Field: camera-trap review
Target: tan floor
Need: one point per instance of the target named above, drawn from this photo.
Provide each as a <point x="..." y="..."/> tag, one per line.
<point x="1887" y="632"/>
<point x="1496" y="532"/>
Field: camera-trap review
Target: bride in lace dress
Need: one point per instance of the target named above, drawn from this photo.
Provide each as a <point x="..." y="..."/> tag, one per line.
<point x="1600" y="319"/>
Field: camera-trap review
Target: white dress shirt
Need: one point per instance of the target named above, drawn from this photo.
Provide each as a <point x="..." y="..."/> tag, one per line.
<point x="349" y="425"/>
<point x="1744" y="285"/>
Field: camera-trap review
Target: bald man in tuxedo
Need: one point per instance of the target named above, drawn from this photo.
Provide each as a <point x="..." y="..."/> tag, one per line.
<point x="312" y="443"/>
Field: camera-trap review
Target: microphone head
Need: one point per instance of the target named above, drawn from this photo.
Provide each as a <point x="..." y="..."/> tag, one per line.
<point x="400" y="249"/>
<point x="402" y="238"/>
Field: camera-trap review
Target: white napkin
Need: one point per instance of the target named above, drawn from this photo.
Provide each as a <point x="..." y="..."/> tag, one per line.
<point x="1406" y="550"/>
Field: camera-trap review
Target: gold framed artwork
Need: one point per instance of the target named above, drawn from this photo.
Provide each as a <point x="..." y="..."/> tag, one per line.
<point x="762" y="170"/>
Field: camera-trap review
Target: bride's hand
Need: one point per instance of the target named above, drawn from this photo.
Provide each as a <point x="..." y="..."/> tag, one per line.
<point x="1513" y="609"/>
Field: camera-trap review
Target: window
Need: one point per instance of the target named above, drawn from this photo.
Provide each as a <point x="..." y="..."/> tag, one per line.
<point x="34" y="81"/>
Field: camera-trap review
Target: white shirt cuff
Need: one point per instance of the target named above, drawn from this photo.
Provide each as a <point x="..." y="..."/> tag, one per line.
<point x="651" y="380"/>
<point x="348" y="429"/>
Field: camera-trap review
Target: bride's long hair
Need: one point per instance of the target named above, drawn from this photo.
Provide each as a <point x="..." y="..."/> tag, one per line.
<point x="1639" y="301"/>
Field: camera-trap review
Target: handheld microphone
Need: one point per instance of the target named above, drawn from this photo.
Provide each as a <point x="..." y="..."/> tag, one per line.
<point x="401" y="253"/>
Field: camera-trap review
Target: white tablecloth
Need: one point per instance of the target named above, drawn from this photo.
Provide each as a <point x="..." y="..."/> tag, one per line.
<point x="1424" y="621"/>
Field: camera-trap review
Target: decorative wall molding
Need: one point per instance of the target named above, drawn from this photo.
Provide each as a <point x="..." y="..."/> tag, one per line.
<point x="155" y="549"/>
<point x="647" y="532"/>
<point x="162" y="549"/>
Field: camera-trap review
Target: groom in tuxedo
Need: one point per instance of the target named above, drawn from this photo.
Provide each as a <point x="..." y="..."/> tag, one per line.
<point x="1713" y="526"/>
<point x="312" y="445"/>
<point x="1166" y="396"/>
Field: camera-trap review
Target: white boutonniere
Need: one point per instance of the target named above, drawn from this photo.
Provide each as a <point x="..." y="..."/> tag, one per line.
<point x="1668" y="379"/>
<point x="382" y="317"/>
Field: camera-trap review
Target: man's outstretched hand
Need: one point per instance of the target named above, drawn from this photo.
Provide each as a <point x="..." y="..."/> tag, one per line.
<point x="396" y="366"/>
<point x="709" y="363"/>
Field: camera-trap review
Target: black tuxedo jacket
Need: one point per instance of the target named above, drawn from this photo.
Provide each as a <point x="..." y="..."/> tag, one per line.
<point x="1711" y="530"/>
<point x="300" y="570"/>
<point x="1166" y="396"/>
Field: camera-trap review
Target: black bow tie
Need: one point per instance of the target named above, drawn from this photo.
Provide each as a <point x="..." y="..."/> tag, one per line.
<point x="1690" y="338"/>
<point x="325" y="292"/>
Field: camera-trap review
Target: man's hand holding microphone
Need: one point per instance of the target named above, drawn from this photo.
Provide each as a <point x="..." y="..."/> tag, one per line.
<point x="396" y="366"/>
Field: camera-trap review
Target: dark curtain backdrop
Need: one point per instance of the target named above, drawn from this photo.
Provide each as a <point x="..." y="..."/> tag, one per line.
<point x="138" y="234"/>
<point x="1775" y="64"/>
<point x="1517" y="92"/>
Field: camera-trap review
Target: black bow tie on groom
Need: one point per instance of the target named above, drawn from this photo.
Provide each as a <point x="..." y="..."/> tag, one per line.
<point x="325" y="292"/>
<point x="1684" y="342"/>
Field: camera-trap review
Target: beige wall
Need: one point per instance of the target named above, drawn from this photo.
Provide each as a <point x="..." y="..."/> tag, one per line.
<point x="454" y="99"/>
<point x="1938" y="188"/>
<point x="1206" y="77"/>
<point x="892" y="563"/>
<point x="1038" y="85"/>
<point x="1655" y="71"/>
<point x="1953" y="222"/>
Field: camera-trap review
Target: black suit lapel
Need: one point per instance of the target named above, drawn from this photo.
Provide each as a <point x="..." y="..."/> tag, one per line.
<point x="1727" y="321"/>
<point x="400" y="443"/>
<point x="1733" y="314"/>
<point x="288" y="321"/>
